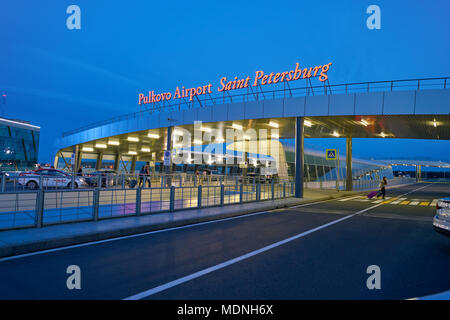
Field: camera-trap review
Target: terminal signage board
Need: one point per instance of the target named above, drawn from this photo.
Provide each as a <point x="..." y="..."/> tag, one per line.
<point x="258" y="79"/>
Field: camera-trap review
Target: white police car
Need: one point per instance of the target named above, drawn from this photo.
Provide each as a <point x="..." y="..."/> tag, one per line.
<point x="441" y="221"/>
<point x="49" y="178"/>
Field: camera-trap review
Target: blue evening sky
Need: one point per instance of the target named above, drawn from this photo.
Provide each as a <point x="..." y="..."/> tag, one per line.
<point x="62" y="79"/>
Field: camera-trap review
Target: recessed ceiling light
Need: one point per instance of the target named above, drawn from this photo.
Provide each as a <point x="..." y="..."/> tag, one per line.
<point x="133" y="139"/>
<point x="101" y="145"/>
<point x="153" y="135"/>
<point x="274" y="124"/>
<point x="307" y="123"/>
<point x="114" y="142"/>
<point x="88" y="149"/>
<point x="237" y="126"/>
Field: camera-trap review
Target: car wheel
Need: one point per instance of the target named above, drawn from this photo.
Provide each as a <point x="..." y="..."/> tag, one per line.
<point x="32" y="185"/>
<point x="70" y="185"/>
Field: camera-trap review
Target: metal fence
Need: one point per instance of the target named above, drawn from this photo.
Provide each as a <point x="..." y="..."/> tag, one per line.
<point x="357" y="184"/>
<point x="44" y="207"/>
<point x="18" y="181"/>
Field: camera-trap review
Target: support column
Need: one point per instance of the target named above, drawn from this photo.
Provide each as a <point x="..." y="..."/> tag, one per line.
<point x="245" y="160"/>
<point x="73" y="160"/>
<point x="133" y="164"/>
<point x="168" y="169"/>
<point x="116" y="162"/>
<point x="349" y="176"/>
<point x="98" y="164"/>
<point x="78" y="160"/>
<point x="299" y="156"/>
<point x="418" y="173"/>
<point x="55" y="162"/>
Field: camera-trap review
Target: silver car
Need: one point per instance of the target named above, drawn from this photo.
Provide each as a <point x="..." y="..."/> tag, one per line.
<point x="441" y="221"/>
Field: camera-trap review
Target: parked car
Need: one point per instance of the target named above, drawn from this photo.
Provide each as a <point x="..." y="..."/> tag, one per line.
<point x="441" y="221"/>
<point x="108" y="177"/>
<point x="215" y="175"/>
<point x="50" y="178"/>
<point x="255" y="177"/>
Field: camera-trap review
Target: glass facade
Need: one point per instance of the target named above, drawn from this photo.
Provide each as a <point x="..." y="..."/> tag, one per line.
<point x="19" y="146"/>
<point x="318" y="169"/>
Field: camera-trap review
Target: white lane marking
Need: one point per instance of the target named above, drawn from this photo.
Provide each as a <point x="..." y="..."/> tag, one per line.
<point x="222" y="265"/>
<point x="171" y="284"/>
<point x="351" y="198"/>
<point x="377" y="201"/>
<point x="434" y="202"/>
<point x="414" y="203"/>
<point x="148" y="233"/>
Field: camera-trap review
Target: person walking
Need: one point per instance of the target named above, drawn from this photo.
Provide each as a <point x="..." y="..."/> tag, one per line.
<point x="148" y="177"/>
<point x="382" y="191"/>
<point x="144" y="173"/>
<point x="197" y="177"/>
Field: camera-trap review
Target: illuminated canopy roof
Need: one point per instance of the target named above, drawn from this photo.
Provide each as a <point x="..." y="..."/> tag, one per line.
<point x="370" y="110"/>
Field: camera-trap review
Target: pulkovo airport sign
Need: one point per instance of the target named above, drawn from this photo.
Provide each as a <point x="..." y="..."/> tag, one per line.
<point x="260" y="78"/>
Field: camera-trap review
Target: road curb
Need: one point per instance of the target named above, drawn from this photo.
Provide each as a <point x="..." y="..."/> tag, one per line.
<point x="13" y="250"/>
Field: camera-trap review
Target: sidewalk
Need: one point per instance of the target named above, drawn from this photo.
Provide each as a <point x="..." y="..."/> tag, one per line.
<point x="22" y="241"/>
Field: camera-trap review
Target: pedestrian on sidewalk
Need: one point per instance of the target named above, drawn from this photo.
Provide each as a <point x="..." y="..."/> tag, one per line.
<point x="382" y="191"/>
<point x="197" y="177"/>
<point x="144" y="173"/>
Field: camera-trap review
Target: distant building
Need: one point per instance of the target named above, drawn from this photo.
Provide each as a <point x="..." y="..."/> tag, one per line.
<point x="19" y="145"/>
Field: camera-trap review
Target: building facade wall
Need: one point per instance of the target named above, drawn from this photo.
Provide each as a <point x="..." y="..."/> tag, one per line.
<point x="19" y="147"/>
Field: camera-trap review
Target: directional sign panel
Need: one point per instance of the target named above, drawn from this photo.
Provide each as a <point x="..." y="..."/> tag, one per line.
<point x="167" y="158"/>
<point x="331" y="154"/>
<point x="243" y="165"/>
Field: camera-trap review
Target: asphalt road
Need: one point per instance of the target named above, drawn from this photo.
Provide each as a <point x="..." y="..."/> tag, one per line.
<point x="317" y="251"/>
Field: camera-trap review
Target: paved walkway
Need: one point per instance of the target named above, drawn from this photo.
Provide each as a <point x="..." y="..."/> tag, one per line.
<point x="22" y="241"/>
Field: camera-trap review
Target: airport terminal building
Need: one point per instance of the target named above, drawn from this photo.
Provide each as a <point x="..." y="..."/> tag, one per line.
<point x="19" y="145"/>
<point x="251" y="124"/>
